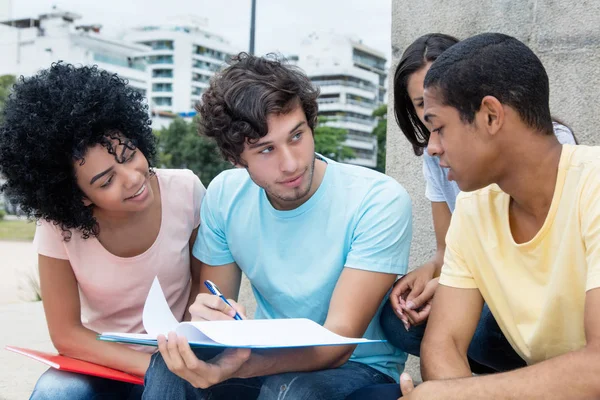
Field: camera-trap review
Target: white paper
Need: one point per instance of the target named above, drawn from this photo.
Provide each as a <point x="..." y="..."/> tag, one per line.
<point x="292" y="332"/>
<point x="265" y="333"/>
<point x="157" y="317"/>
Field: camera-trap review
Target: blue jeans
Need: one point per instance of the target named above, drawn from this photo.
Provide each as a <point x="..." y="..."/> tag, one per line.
<point x="488" y="352"/>
<point x="55" y="384"/>
<point x="329" y="384"/>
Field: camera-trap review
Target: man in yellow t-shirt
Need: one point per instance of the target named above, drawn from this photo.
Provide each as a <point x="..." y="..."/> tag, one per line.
<point x="524" y="238"/>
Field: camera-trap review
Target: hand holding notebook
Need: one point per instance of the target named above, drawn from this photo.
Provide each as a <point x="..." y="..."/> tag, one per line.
<point x="256" y="334"/>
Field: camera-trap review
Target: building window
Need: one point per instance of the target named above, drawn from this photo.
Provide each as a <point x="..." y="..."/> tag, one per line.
<point x="160" y="59"/>
<point x="162" y="87"/>
<point x="160" y="44"/>
<point x="205" y="65"/>
<point x="162" y="73"/>
<point x="205" y="51"/>
<point x="359" y="101"/>
<point x="196" y="91"/>
<point x="200" y="78"/>
<point x="120" y="60"/>
<point x="370" y="60"/>
<point x="343" y="80"/>
<point x="364" y="154"/>
<point x="162" y="101"/>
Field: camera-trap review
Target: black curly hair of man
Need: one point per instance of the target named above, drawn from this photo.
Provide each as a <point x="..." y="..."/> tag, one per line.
<point x="235" y="107"/>
<point x="50" y="121"/>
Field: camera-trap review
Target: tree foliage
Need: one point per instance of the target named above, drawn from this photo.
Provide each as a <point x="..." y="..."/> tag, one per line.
<point x="329" y="141"/>
<point x="6" y="83"/>
<point x="180" y="146"/>
<point x="380" y="132"/>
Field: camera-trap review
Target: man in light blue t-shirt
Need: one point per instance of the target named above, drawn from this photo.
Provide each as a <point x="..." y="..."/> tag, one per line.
<point x="317" y="239"/>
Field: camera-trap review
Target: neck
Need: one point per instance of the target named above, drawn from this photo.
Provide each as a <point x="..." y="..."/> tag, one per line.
<point x="530" y="173"/>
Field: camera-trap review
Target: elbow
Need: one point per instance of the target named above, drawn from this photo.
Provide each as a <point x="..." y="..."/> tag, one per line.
<point x="64" y="343"/>
<point x="340" y="359"/>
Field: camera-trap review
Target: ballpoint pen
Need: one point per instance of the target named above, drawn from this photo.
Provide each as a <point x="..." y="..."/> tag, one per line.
<point x="215" y="290"/>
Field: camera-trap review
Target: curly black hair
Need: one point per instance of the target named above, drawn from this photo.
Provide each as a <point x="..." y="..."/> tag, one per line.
<point x="235" y="107"/>
<point x="50" y="121"/>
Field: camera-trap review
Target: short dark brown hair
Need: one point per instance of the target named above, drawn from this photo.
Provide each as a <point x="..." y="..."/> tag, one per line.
<point x="235" y="107"/>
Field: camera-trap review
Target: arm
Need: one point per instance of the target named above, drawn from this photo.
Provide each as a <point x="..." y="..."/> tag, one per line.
<point x="355" y="301"/>
<point x="418" y="286"/>
<point x="449" y="333"/>
<point x="69" y="336"/>
<point x="572" y="375"/>
<point x="441" y="221"/>
<point x="195" y="266"/>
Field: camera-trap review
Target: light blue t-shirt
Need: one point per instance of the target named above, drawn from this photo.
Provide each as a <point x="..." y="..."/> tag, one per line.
<point x="439" y="189"/>
<point x="357" y="218"/>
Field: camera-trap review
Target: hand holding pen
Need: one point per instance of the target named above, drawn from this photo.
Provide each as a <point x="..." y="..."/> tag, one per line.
<point x="215" y="307"/>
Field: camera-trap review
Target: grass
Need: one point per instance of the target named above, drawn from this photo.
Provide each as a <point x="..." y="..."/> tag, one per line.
<point x="17" y="230"/>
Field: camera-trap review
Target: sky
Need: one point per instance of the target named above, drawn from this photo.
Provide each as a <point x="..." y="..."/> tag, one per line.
<point x="281" y="25"/>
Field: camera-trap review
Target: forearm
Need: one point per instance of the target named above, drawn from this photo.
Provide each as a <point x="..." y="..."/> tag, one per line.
<point x="443" y="361"/>
<point x="194" y="291"/>
<point x="570" y="376"/>
<point x="268" y="362"/>
<point x="81" y="343"/>
<point x="437" y="261"/>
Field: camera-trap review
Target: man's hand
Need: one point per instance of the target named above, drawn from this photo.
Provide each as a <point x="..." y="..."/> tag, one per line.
<point x="412" y="295"/>
<point x="424" y="391"/>
<point x="181" y="360"/>
<point x="209" y="307"/>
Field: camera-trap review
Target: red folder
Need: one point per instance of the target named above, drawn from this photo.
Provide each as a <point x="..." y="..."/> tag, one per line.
<point x="78" y="366"/>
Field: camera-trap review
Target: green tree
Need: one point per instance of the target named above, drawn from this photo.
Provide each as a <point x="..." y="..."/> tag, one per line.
<point x="180" y="146"/>
<point x="6" y="82"/>
<point x="380" y="132"/>
<point x="329" y="141"/>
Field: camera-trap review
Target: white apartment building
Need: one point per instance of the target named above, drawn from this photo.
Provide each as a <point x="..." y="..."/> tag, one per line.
<point x="183" y="58"/>
<point x="31" y="44"/>
<point x="352" y="79"/>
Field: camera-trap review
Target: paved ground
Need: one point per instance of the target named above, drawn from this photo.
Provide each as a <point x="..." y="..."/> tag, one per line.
<point x="23" y="323"/>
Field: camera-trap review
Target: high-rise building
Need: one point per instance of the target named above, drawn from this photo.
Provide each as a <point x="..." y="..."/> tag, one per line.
<point x="183" y="58"/>
<point x="30" y="44"/>
<point x="352" y="79"/>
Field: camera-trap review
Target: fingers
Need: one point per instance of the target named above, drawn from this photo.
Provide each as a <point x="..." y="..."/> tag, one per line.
<point x="231" y="360"/>
<point x="406" y="384"/>
<point x="415" y="292"/>
<point x="417" y="317"/>
<point x="401" y="313"/>
<point x="401" y="286"/>
<point x="181" y="360"/>
<point x="208" y="307"/>
<point x="239" y="308"/>
<point x="423" y="296"/>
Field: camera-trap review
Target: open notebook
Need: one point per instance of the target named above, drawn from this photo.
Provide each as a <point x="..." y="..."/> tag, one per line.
<point x="256" y="334"/>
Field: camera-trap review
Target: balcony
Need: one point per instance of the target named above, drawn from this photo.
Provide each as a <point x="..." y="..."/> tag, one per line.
<point x="341" y="82"/>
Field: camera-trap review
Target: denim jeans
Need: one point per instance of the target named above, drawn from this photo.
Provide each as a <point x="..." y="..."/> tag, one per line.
<point x="329" y="384"/>
<point x="488" y="352"/>
<point x="55" y="384"/>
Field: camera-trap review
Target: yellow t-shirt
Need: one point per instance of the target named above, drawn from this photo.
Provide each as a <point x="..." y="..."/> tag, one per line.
<point x="535" y="290"/>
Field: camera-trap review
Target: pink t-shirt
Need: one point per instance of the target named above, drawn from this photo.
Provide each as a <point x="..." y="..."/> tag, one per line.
<point x="113" y="289"/>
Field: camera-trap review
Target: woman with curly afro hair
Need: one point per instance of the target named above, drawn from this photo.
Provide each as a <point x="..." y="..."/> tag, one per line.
<point x="76" y="149"/>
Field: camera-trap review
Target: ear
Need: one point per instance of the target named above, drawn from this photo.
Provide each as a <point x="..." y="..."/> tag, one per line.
<point x="492" y="114"/>
<point x="87" y="202"/>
